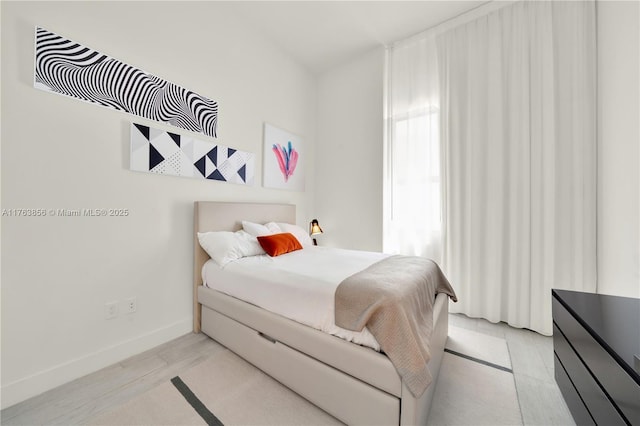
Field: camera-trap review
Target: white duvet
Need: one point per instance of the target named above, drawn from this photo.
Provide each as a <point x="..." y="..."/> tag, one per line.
<point x="298" y="285"/>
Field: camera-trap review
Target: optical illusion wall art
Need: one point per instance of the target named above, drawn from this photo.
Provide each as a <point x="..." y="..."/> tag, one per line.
<point x="158" y="151"/>
<point x="283" y="159"/>
<point x="65" y="67"/>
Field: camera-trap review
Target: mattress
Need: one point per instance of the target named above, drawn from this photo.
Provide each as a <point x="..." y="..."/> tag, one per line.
<point x="299" y="286"/>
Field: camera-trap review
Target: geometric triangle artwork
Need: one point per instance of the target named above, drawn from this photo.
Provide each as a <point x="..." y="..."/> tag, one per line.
<point x="155" y="157"/>
<point x="200" y="165"/>
<point x="209" y="166"/>
<point x="174" y="164"/>
<point x="176" y="138"/>
<point x="143" y="129"/>
<point x="140" y="144"/>
<point x="186" y="146"/>
<point x="162" y="152"/>
<point x="213" y="155"/>
<point x="216" y="175"/>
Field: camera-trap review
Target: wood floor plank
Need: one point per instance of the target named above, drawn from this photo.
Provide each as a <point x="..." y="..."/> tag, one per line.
<point x="463" y="321"/>
<point x="198" y="344"/>
<point x="120" y="396"/>
<point x="527" y="359"/>
<point x="93" y="387"/>
<point x="541" y="402"/>
<point x="40" y="402"/>
<point x="179" y="341"/>
<point x="81" y="400"/>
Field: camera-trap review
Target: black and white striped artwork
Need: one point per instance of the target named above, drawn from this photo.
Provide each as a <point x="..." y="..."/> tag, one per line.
<point x="68" y="68"/>
<point x="167" y="153"/>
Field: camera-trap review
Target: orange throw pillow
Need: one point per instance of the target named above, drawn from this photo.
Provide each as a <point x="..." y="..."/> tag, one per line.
<point x="278" y="244"/>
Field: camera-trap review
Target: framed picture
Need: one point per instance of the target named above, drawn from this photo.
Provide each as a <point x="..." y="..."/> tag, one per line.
<point x="166" y="153"/>
<point x="283" y="166"/>
<point x="70" y="69"/>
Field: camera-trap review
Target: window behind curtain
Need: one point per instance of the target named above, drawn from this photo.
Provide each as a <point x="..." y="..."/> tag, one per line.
<point x="412" y="217"/>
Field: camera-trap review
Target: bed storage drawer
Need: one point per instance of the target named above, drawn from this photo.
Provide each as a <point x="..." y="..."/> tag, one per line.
<point x="362" y="363"/>
<point x="356" y="403"/>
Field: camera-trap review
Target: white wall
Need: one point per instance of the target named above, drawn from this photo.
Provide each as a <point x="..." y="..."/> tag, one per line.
<point x="349" y="154"/>
<point x="618" y="147"/>
<point x="57" y="272"/>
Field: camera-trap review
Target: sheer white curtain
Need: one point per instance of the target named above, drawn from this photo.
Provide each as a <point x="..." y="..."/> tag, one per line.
<point x="412" y="193"/>
<point x="518" y="94"/>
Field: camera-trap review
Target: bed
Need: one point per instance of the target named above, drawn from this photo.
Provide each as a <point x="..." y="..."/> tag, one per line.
<point x="355" y="384"/>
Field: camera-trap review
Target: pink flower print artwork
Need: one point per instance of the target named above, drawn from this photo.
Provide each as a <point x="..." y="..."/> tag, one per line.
<point x="287" y="159"/>
<point x="286" y="170"/>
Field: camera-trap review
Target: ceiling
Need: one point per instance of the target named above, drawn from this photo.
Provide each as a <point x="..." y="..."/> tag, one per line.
<point x="323" y="34"/>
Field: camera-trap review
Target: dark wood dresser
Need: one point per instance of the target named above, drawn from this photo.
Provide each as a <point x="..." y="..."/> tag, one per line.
<point x="596" y="342"/>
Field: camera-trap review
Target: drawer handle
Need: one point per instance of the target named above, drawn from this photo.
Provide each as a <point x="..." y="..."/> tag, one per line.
<point x="269" y="338"/>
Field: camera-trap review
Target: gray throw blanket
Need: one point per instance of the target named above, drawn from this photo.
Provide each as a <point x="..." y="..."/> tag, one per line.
<point x="394" y="299"/>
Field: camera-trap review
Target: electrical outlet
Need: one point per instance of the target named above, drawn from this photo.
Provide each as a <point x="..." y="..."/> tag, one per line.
<point x="110" y="310"/>
<point x="130" y="305"/>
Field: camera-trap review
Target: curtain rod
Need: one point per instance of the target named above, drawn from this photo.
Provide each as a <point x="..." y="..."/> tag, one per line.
<point x="460" y="19"/>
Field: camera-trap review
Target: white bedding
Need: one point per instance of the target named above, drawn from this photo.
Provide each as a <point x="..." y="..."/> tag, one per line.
<point x="298" y="285"/>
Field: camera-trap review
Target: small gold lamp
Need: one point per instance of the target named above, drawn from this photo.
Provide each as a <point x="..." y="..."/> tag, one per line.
<point x="314" y="229"/>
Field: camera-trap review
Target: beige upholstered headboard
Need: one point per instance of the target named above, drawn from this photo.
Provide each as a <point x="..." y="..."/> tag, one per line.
<point x="221" y="216"/>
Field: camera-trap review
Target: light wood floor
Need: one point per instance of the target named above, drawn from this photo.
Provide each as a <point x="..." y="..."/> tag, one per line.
<point x="78" y="401"/>
<point x="531" y="354"/>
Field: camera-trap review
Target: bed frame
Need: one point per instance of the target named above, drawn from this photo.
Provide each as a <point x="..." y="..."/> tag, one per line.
<point x="355" y="384"/>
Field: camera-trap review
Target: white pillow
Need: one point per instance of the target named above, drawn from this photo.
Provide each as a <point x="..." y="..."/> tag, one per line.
<point x="250" y="246"/>
<point x="224" y="247"/>
<point x="298" y="232"/>
<point x="258" y="230"/>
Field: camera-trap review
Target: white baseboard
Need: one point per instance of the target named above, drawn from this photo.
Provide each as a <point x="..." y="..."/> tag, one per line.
<point x="43" y="381"/>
